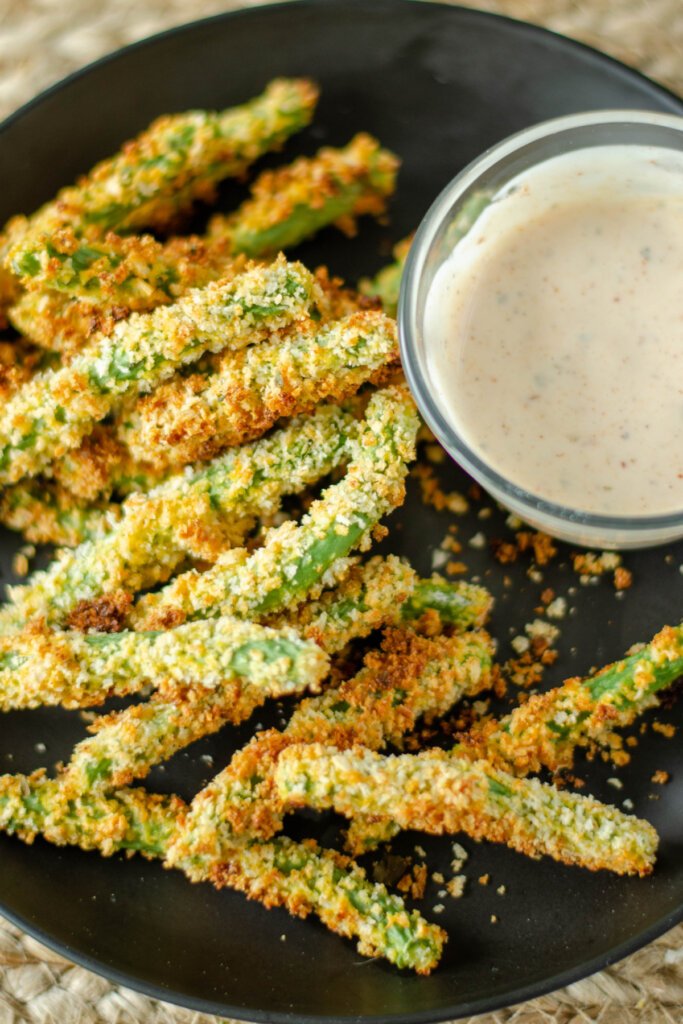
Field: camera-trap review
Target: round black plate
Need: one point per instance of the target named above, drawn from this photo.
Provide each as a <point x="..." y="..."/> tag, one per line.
<point x="436" y="84"/>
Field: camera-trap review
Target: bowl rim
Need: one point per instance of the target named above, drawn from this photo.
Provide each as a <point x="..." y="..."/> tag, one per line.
<point x="669" y="524"/>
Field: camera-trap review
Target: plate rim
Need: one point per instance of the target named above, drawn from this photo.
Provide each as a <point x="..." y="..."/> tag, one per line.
<point x="474" y="1007"/>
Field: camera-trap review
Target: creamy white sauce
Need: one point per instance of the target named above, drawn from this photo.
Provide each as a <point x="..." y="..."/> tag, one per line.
<point x="554" y="331"/>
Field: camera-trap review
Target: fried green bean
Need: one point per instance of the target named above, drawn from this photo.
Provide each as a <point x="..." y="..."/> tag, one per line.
<point x="300" y="876"/>
<point x="178" y="159"/>
<point x="305" y="878"/>
<point x="369" y="597"/>
<point x="78" y="286"/>
<point x="46" y="513"/>
<point x="131" y="820"/>
<point x="297" y="559"/>
<point x="54" y="410"/>
<point x="128" y="743"/>
<point x="101" y="466"/>
<point x="545" y="731"/>
<point x="155" y="179"/>
<point x="44" y="666"/>
<point x="191" y="418"/>
<point x="460" y="604"/>
<point x="135" y="272"/>
<point x="438" y="793"/>
<point x="286" y="207"/>
<point x="408" y="677"/>
<point x="73" y="284"/>
<point x="197" y="513"/>
<point x="19" y="360"/>
<point x="290" y="204"/>
<point x="386" y="592"/>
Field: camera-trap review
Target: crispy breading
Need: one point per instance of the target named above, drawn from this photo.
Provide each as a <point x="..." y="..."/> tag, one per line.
<point x="409" y="676"/>
<point x="54" y="411"/>
<point x="439" y="793"/>
<point x="198" y="514"/>
<point x="193" y="418"/>
<point x="106" y="614"/>
<point x="547" y="728"/>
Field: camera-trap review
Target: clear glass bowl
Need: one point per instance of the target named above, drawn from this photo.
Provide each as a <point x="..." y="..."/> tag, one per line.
<point x="449" y="217"/>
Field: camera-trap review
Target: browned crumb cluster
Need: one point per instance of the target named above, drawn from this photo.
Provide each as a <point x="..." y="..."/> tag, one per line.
<point x="526" y="671"/>
<point x="432" y="494"/>
<point x="414" y="882"/>
<point x="542" y="546"/>
<point x="590" y="564"/>
<point x="106" y="614"/>
<point x="623" y="578"/>
<point x="664" y="728"/>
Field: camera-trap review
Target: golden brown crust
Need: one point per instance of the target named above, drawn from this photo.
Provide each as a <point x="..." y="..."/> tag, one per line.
<point x="105" y="614"/>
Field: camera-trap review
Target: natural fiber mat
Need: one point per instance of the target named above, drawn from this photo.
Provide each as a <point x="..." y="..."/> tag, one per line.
<point x="40" y="42"/>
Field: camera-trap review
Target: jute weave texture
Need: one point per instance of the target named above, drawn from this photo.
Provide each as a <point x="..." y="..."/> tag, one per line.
<point x="41" y="41"/>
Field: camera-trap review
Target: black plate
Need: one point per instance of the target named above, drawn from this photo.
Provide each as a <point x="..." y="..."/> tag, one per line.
<point x="436" y="84"/>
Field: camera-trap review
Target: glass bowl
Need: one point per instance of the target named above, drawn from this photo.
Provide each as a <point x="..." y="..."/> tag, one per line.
<point x="449" y="218"/>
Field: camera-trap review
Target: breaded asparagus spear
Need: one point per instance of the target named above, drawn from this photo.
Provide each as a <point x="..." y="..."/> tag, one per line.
<point x="101" y="466"/>
<point x="372" y="595"/>
<point x="410" y="676"/>
<point x="128" y="744"/>
<point x="196" y="513"/>
<point x="190" y="418"/>
<point x="300" y="876"/>
<point x="43" y="666"/>
<point x="300" y="558"/>
<point x="291" y="203"/>
<point x="54" y="410"/>
<point x="385" y="592"/>
<point x="77" y="287"/>
<point x="545" y="731"/>
<point x="46" y="513"/>
<point x="460" y="604"/>
<point x="74" y="283"/>
<point x="436" y="792"/>
<point x="178" y="159"/>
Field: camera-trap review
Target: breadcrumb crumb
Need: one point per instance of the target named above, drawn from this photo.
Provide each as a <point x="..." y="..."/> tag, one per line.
<point x="623" y="578"/>
<point x="456" y="886"/>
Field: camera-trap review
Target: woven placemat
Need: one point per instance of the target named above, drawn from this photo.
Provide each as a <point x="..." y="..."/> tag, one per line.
<point x="40" y="42"/>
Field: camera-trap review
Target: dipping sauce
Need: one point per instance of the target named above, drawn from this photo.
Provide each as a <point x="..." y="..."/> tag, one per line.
<point x="554" y="331"/>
